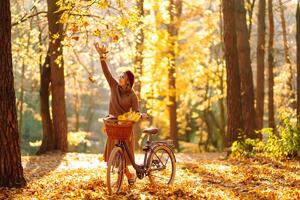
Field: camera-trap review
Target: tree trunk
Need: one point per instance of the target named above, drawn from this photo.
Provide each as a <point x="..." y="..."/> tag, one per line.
<point x="287" y="57"/>
<point x="173" y="105"/>
<point x="55" y="73"/>
<point x="234" y="105"/>
<point x="138" y="70"/>
<point x="77" y="112"/>
<point x="89" y="114"/>
<point x="205" y="116"/>
<point x="77" y="104"/>
<point x="22" y="84"/>
<point x="175" y="10"/>
<point x="221" y="87"/>
<point x="222" y="111"/>
<point x="59" y="115"/>
<point x="250" y="15"/>
<point x="247" y="92"/>
<point x="284" y="34"/>
<point x="139" y="49"/>
<point x="48" y="136"/>
<point x="21" y="101"/>
<point x="260" y="54"/>
<point x="208" y="129"/>
<point x="271" y="66"/>
<point x="190" y="124"/>
<point x="298" y="60"/>
<point x="11" y="170"/>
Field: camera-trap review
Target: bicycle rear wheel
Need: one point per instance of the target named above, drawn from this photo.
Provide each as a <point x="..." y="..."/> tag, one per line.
<point x="162" y="166"/>
<point x="115" y="170"/>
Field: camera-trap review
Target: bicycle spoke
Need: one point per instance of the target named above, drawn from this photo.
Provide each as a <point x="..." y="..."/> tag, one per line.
<point x="167" y="160"/>
<point x="116" y="170"/>
<point x="162" y="168"/>
<point x="161" y="161"/>
<point x="157" y="169"/>
<point x="113" y="166"/>
<point x="160" y="177"/>
<point x="158" y="158"/>
<point x="161" y="156"/>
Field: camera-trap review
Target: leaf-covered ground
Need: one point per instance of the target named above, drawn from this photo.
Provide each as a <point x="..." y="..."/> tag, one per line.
<point x="198" y="176"/>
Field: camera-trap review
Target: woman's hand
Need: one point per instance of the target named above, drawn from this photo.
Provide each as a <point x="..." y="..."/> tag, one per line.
<point x="145" y="116"/>
<point x="101" y="50"/>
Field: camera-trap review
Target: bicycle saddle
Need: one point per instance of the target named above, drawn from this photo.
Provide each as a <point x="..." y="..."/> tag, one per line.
<point x="152" y="131"/>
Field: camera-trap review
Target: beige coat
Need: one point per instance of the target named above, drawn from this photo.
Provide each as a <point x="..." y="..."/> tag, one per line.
<point x="120" y="102"/>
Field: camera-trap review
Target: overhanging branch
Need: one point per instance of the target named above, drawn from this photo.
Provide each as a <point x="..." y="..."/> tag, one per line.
<point x="26" y="17"/>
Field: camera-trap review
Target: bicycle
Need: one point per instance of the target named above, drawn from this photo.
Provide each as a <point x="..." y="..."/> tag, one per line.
<point x="157" y="155"/>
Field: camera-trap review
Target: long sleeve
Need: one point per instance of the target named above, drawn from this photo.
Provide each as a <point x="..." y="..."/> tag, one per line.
<point x="110" y="79"/>
<point x="135" y="103"/>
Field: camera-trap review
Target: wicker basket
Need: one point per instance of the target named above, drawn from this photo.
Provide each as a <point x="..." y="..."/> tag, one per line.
<point x="118" y="129"/>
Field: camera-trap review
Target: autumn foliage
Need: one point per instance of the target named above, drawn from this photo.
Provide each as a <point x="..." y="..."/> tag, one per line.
<point x="206" y="176"/>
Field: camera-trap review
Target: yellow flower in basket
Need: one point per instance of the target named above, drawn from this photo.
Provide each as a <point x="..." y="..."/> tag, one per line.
<point x="129" y="116"/>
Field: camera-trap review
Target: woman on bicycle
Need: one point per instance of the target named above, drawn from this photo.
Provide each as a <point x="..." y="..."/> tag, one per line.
<point x="122" y="99"/>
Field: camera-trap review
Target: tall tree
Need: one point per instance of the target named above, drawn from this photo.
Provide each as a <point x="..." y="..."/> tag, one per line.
<point x="11" y="170"/>
<point x="139" y="48"/>
<point x="221" y="87"/>
<point x="234" y="104"/>
<point x="77" y="102"/>
<point x="57" y="76"/>
<point x="287" y="56"/>
<point x="48" y="136"/>
<point x="247" y="91"/>
<point x="175" y="10"/>
<point x="138" y="70"/>
<point x="53" y="72"/>
<point x="250" y="5"/>
<point x="260" y="54"/>
<point x="20" y="104"/>
<point x="298" y="59"/>
<point x="271" y="66"/>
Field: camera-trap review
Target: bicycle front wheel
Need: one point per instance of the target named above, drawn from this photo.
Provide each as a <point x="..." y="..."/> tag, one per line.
<point x="162" y="166"/>
<point x="115" y="170"/>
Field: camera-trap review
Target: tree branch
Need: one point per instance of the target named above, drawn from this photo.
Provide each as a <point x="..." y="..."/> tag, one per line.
<point x="26" y="17"/>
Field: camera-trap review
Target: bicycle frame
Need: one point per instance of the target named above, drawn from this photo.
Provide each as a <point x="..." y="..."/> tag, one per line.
<point x="141" y="170"/>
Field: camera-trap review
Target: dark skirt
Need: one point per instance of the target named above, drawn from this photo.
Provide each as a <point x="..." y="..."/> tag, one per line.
<point x="110" y="144"/>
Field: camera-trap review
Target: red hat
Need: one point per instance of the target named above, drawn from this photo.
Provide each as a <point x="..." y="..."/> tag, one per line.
<point x="130" y="76"/>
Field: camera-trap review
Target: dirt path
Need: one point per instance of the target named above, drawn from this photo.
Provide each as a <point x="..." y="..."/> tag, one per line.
<point x="198" y="176"/>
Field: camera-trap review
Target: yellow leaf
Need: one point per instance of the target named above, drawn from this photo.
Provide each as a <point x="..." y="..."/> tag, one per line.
<point x="97" y="33"/>
<point x="103" y="4"/>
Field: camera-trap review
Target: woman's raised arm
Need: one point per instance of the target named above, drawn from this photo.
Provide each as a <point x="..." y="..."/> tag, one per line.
<point x="102" y="52"/>
<point x="110" y="79"/>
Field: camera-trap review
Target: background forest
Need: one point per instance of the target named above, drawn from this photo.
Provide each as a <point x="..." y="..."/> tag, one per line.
<point x="220" y="79"/>
<point x="178" y="62"/>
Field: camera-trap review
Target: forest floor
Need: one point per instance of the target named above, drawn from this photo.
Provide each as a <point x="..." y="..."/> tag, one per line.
<point x="198" y="176"/>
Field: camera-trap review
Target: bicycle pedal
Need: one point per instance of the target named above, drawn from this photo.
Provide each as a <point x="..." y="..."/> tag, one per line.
<point x="145" y="148"/>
